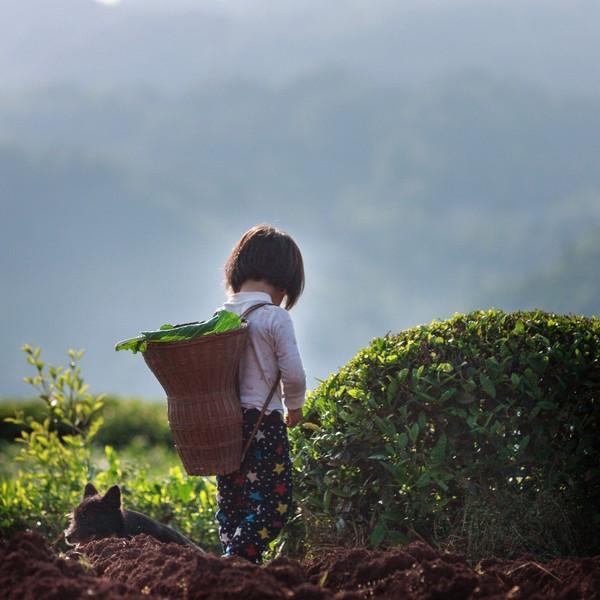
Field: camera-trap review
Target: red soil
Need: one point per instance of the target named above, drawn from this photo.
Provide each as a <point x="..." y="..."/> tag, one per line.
<point x="144" y="568"/>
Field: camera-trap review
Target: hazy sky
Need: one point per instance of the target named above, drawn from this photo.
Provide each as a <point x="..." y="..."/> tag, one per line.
<point x="174" y="43"/>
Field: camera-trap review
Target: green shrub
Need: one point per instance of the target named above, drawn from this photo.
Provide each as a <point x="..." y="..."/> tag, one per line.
<point x="125" y="419"/>
<point x="131" y="419"/>
<point x="478" y="433"/>
<point x="56" y="461"/>
<point x="10" y="430"/>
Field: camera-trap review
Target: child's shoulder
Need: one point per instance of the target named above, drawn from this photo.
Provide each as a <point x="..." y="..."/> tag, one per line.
<point x="274" y="315"/>
<point x="276" y="312"/>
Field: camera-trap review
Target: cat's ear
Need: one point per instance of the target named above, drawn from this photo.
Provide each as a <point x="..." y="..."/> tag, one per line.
<point x="89" y="490"/>
<point x="113" y="496"/>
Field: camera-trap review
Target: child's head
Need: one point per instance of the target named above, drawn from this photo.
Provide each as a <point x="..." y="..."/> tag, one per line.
<point x="267" y="254"/>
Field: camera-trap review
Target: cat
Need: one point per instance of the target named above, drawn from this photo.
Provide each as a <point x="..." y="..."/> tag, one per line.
<point x="103" y="516"/>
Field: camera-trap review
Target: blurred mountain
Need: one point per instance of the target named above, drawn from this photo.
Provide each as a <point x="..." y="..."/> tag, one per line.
<point x="571" y="285"/>
<point x="119" y="208"/>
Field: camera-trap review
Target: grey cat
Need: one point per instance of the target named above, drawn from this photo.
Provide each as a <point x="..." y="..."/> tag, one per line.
<point x="103" y="516"/>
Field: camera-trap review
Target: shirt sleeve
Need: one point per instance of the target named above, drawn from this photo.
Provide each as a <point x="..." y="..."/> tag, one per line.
<point x="293" y="376"/>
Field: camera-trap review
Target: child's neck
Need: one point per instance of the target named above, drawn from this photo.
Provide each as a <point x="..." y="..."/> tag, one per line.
<point x="260" y="285"/>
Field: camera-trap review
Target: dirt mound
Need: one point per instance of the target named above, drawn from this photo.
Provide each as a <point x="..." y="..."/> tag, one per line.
<point x="171" y="571"/>
<point x="144" y="568"/>
<point x="28" y="570"/>
<point x="416" y="571"/>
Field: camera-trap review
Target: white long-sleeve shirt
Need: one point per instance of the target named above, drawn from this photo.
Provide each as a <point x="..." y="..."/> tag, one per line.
<point x="271" y="348"/>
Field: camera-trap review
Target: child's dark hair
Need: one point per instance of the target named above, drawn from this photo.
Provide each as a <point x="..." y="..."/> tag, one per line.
<point x="271" y="255"/>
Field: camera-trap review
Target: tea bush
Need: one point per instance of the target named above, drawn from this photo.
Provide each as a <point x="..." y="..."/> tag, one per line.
<point x="124" y="420"/>
<point x="479" y="433"/>
<point x="56" y="462"/>
<point x="127" y="419"/>
<point x="9" y="430"/>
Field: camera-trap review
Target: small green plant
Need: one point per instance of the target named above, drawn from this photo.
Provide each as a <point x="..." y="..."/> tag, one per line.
<point x="439" y="432"/>
<point x="54" y="468"/>
<point x="125" y="421"/>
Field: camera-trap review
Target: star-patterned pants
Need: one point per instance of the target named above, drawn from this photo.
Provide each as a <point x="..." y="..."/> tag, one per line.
<point x="254" y="502"/>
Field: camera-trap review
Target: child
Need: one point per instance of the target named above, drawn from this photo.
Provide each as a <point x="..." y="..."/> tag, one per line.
<point x="254" y="503"/>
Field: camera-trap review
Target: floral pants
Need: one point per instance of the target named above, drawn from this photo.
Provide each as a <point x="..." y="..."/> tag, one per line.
<point x="255" y="502"/>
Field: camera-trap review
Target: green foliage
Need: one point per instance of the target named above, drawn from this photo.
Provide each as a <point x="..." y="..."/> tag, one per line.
<point x="130" y="420"/>
<point x="54" y="468"/>
<point x="10" y="430"/>
<point x="222" y="321"/>
<point x="56" y="461"/>
<point x="425" y="431"/>
<point x="126" y="421"/>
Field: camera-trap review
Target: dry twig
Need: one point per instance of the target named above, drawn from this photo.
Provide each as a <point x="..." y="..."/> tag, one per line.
<point x="542" y="568"/>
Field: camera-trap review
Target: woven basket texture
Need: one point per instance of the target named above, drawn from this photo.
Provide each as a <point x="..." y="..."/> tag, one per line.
<point x="200" y="378"/>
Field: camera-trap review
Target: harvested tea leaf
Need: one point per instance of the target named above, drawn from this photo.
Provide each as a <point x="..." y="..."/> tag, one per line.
<point x="223" y="320"/>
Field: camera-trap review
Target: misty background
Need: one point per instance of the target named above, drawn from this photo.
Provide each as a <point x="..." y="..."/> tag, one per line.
<point x="429" y="157"/>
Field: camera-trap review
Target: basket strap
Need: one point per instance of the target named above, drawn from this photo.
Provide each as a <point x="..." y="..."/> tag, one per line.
<point x="273" y="389"/>
<point x="260" y="417"/>
<point x="253" y="308"/>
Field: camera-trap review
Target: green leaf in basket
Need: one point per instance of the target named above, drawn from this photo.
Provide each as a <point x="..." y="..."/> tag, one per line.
<point x="226" y="321"/>
<point x="137" y="344"/>
<point x="222" y="321"/>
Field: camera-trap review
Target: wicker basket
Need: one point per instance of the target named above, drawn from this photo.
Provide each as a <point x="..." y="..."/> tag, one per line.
<point x="200" y="378"/>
